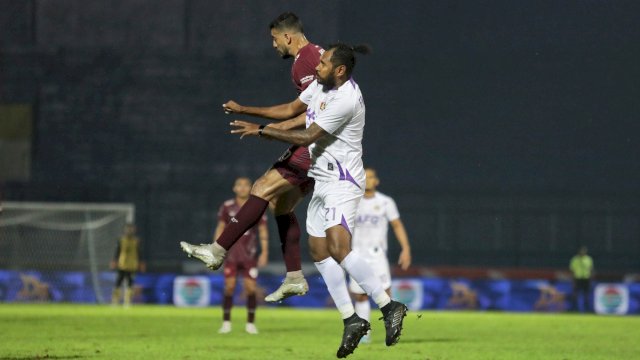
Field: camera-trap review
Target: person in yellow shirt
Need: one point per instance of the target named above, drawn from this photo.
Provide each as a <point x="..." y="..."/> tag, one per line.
<point x="127" y="261"/>
<point x="582" y="269"/>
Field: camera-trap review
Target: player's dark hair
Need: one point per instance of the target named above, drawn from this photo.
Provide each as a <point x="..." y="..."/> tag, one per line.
<point x="344" y="54"/>
<point x="288" y="21"/>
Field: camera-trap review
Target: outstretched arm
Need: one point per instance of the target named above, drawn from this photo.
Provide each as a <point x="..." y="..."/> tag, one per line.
<point x="276" y="112"/>
<point x="219" y="230"/>
<point x="401" y="234"/>
<point x="263" y="234"/>
<point x="304" y="137"/>
<point x="295" y="123"/>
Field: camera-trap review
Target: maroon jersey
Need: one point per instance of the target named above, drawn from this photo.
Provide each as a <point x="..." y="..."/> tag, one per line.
<point x="303" y="71"/>
<point x="296" y="161"/>
<point x="246" y="248"/>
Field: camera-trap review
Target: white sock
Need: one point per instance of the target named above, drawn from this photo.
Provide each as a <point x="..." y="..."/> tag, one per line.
<point x="363" y="309"/>
<point x="218" y="250"/>
<point x="333" y="276"/>
<point x="362" y="273"/>
<point x="295" y="274"/>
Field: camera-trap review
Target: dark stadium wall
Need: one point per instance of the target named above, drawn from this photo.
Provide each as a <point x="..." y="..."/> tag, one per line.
<point x="507" y="132"/>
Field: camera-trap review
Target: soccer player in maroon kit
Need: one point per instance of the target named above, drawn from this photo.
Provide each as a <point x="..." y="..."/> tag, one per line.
<point x="243" y="258"/>
<point x="284" y="185"/>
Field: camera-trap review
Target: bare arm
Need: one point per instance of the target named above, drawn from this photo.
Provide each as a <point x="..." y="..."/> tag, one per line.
<point x="263" y="234"/>
<point x="401" y="234"/>
<point x="304" y="137"/>
<point x="219" y="229"/>
<point x="295" y="123"/>
<point x="276" y="112"/>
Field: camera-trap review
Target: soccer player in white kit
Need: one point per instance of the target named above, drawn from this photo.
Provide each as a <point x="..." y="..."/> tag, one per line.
<point x="375" y="212"/>
<point x="335" y="118"/>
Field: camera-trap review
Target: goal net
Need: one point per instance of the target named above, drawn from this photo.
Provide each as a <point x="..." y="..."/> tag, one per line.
<point x="65" y="247"/>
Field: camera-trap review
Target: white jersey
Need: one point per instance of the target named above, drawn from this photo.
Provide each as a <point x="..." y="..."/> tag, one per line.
<point x="340" y="112"/>
<point x="372" y="223"/>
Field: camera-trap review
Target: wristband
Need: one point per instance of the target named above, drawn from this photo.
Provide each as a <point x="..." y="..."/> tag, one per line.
<point x="260" y="128"/>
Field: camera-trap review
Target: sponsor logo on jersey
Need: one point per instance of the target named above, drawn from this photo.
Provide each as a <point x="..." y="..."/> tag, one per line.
<point x="330" y="166"/>
<point x="233" y="219"/>
<point x="306" y="79"/>
<point x="364" y="219"/>
<point x="323" y="105"/>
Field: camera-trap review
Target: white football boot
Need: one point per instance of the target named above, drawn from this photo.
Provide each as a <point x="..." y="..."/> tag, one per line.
<point x="203" y="253"/>
<point x="251" y="329"/>
<point x="290" y="287"/>
<point x="225" y="328"/>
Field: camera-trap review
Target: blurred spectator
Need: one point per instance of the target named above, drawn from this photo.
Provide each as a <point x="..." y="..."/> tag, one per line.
<point x="127" y="261"/>
<point x="582" y="269"/>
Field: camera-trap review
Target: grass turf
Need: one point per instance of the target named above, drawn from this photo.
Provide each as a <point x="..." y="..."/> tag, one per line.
<point x="159" y="332"/>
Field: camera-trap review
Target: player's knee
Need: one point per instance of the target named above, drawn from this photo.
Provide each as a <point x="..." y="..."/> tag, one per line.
<point x="318" y="254"/>
<point x="229" y="289"/>
<point x="251" y="290"/>
<point x="260" y="188"/>
<point x="338" y="250"/>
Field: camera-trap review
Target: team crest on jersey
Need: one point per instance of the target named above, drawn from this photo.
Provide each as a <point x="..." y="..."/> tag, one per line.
<point x="376" y="208"/>
<point x="323" y="105"/>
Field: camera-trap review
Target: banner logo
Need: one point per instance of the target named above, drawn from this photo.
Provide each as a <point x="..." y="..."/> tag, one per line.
<point x="191" y="291"/>
<point x="611" y="299"/>
<point x="408" y="292"/>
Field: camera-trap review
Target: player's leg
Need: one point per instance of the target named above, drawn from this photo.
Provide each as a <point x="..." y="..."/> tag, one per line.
<point x="341" y="202"/>
<point x="115" y="296"/>
<point x="361" y="305"/>
<point x="230" y="272"/>
<point x="265" y="189"/>
<point x="128" y="289"/>
<point x="584" y="290"/>
<point x="333" y="275"/>
<point x="289" y="231"/>
<point x="249" y="277"/>
<point x="574" y="295"/>
<point x="338" y="241"/>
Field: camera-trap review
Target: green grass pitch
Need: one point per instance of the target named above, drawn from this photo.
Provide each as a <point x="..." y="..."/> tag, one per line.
<point x="163" y="332"/>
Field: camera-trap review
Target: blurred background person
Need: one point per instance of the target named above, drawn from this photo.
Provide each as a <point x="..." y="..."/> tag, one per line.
<point x="582" y="269"/>
<point x="126" y="261"/>
<point x="242" y="258"/>
<point x="375" y="212"/>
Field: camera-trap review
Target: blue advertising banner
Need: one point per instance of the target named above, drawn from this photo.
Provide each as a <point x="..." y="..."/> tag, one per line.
<point x="417" y="293"/>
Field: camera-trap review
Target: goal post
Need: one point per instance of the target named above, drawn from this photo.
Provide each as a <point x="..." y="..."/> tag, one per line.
<point x="49" y="238"/>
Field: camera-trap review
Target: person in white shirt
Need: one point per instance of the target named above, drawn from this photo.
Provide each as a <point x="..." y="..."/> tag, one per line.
<point x="375" y="212"/>
<point x="335" y="118"/>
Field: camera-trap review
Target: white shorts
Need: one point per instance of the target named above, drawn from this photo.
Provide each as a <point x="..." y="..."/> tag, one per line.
<point x="378" y="262"/>
<point x="332" y="203"/>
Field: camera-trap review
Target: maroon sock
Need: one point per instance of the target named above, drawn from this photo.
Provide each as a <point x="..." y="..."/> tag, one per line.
<point x="289" y="232"/>
<point x="251" y="308"/>
<point x="226" y="308"/>
<point x="245" y="219"/>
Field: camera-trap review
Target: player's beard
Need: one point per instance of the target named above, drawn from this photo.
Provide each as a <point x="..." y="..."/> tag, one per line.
<point x="327" y="83"/>
<point x="283" y="52"/>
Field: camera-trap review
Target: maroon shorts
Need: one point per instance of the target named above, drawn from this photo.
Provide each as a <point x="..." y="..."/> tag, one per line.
<point x="293" y="165"/>
<point x="248" y="269"/>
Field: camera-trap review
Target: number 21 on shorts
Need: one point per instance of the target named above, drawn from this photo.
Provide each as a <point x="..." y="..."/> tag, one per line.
<point x="329" y="214"/>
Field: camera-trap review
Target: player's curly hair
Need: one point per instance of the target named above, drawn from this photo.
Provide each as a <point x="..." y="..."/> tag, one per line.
<point x="344" y="54"/>
<point x="288" y="21"/>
